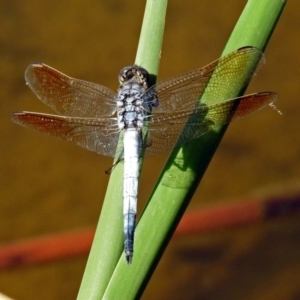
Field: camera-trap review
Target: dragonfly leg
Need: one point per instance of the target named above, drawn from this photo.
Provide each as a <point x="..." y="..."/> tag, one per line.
<point x="120" y="158"/>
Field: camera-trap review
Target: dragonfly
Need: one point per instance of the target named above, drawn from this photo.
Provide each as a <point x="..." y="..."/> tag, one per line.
<point x="169" y="112"/>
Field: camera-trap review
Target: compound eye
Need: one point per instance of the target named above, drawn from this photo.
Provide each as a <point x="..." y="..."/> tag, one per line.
<point x="140" y="74"/>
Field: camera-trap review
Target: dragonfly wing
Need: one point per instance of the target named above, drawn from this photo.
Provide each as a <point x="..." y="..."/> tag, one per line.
<point x="173" y="130"/>
<point x="98" y="135"/>
<point x="224" y="76"/>
<point x="69" y="96"/>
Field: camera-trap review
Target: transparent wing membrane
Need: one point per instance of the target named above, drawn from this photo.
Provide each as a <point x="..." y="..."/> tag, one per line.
<point x="70" y="96"/>
<point x="97" y="135"/>
<point x="179" y="117"/>
<point x="168" y="131"/>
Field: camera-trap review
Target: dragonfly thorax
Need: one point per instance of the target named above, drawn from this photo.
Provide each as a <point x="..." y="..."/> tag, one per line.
<point x="131" y="108"/>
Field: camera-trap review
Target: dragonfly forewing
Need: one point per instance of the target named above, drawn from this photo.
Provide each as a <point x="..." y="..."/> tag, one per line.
<point x="70" y="96"/>
<point x="223" y="75"/>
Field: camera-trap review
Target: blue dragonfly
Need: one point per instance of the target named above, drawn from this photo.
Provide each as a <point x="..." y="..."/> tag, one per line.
<point x="113" y="124"/>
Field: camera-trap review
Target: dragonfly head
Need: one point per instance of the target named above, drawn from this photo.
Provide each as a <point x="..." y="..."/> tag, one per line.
<point x="134" y="74"/>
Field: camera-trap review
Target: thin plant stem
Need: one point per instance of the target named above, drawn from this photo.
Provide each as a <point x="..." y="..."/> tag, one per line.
<point x="108" y="241"/>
